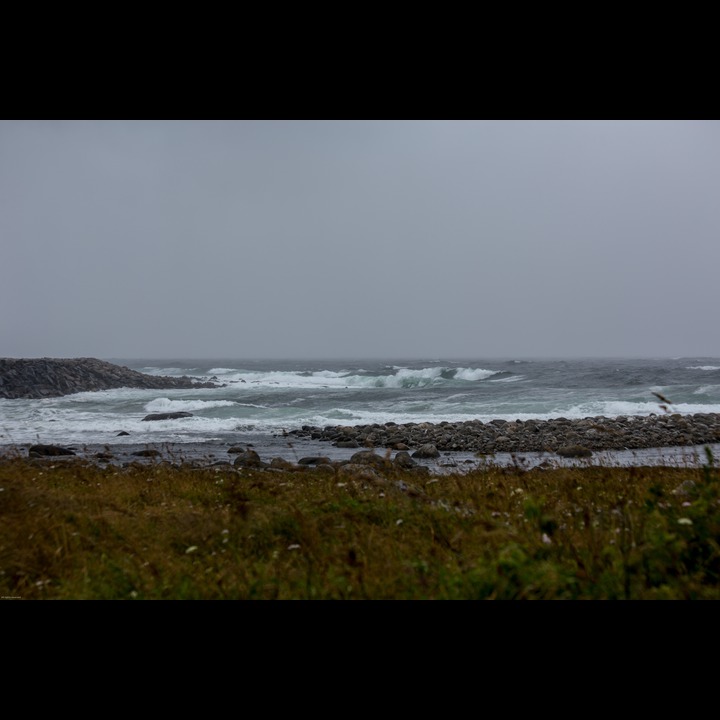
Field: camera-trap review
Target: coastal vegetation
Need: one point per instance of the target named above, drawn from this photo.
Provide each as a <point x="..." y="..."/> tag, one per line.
<point x="71" y="529"/>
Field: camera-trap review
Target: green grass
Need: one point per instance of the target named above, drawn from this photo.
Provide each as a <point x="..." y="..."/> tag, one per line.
<point x="72" y="530"/>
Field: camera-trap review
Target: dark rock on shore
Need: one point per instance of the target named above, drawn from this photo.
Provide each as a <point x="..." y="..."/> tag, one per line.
<point x="572" y="438"/>
<point x="249" y="459"/>
<point x="167" y="415"/>
<point x="574" y="451"/>
<point x="54" y="377"/>
<point x="48" y="450"/>
<point x="428" y="450"/>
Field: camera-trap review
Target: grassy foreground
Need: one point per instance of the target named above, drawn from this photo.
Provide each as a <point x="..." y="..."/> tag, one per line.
<point x="72" y="530"/>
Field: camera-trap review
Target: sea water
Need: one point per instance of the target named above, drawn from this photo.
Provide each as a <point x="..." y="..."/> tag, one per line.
<point x="274" y="397"/>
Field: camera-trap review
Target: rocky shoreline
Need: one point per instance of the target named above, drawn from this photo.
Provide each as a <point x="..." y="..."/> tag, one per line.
<point x="634" y="440"/>
<point x="28" y="378"/>
<point x="564" y="437"/>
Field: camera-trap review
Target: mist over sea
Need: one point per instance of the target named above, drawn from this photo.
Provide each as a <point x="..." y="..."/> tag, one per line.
<point x="274" y="397"/>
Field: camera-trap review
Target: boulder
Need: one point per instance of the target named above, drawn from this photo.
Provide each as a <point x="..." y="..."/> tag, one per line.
<point x="368" y="457"/>
<point x="167" y="415"/>
<point x="48" y="450"/>
<point x="573" y="451"/>
<point x="403" y="460"/>
<point x="249" y="459"/>
<point x="313" y="460"/>
<point x="426" y="451"/>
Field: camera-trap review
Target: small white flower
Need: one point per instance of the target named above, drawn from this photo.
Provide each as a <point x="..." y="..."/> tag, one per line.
<point x="546" y="539"/>
<point x="686" y="504"/>
<point x="685" y="521"/>
<point x="295" y="546"/>
<point x="341" y="484"/>
<point x="191" y="549"/>
<point x="399" y="522"/>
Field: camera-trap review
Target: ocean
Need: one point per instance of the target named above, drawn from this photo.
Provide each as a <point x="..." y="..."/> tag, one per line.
<point x="273" y="397"/>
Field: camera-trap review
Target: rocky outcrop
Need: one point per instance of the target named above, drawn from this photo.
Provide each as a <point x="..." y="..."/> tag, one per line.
<point x="53" y="377"/>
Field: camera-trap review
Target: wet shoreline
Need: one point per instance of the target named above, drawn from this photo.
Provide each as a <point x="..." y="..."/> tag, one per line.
<point x="298" y="450"/>
<point x="666" y="439"/>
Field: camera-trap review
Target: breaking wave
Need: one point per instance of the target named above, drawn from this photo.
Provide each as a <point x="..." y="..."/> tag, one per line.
<point x="167" y="405"/>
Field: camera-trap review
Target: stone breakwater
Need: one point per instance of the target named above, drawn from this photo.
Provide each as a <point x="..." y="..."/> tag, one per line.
<point x="53" y="377"/>
<point x="571" y="438"/>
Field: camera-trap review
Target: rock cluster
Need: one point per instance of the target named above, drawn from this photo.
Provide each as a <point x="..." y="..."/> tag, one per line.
<point x="571" y="438"/>
<point x="364" y="467"/>
<point x="53" y="377"/>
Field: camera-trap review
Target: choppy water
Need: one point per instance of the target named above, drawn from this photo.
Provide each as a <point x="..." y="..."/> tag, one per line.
<point x="276" y="396"/>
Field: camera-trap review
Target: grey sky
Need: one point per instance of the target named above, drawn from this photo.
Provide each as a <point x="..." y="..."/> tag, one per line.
<point x="342" y="239"/>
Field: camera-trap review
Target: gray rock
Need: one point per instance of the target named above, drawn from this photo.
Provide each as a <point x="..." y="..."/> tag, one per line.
<point x="573" y="451"/>
<point x="249" y="459"/>
<point x="313" y="460"/>
<point x="347" y="444"/>
<point x="167" y="415"/>
<point x="49" y="450"/>
<point x="403" y="460"/>
<point x="54" y="377"/>
<point x="426" y="451"/>
<point x="368" y="457"/>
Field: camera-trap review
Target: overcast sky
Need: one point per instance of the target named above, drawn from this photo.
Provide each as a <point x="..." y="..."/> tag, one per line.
<point x="359" y="239"/>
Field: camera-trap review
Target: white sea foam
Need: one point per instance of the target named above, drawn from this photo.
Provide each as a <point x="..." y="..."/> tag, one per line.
<point x="703" y="367"/>
<point x="75" y="427"/>
<point x="166" y="371"/>
<point x="405" y="377"/>
<point x="287" y="379"/>
<point x="168" y="405"/>
<point x="402" y="378"/>
<point x="473" y="374"/>
<point x="613" y="408"/>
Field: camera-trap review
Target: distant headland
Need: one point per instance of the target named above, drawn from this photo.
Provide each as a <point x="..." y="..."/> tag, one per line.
<point x="54" y="377"/>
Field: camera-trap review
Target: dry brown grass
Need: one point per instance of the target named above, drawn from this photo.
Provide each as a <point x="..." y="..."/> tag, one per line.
<point x="72" y="530"/>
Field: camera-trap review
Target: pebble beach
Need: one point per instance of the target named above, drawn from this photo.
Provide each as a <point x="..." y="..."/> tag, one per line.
<point x="626" y="441"/>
